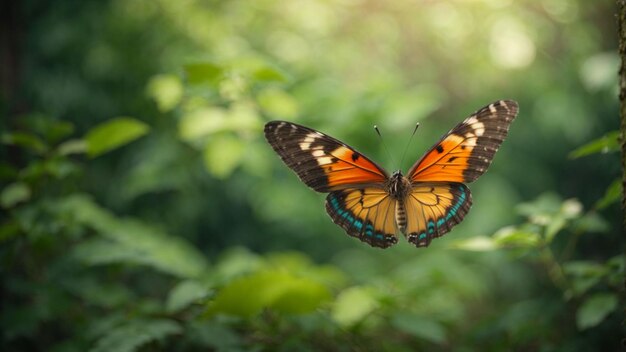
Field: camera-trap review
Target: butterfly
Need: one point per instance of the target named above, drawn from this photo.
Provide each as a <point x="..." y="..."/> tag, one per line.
<point x="372" y="205"/>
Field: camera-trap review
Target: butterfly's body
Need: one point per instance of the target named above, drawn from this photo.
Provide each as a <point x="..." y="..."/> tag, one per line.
<point x="373" y="206"/>
<point x="399" y="188"/>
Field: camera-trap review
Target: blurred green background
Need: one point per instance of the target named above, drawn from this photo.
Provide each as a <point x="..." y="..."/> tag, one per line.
<point x="143" y="210"/>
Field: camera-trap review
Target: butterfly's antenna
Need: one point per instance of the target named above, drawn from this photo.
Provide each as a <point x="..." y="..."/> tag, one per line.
<point x="409" y="144"/>
<point x="384" y="145"/>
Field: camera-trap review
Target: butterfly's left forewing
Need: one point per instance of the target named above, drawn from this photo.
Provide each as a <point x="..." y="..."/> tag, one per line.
<point x="322" y="162"/>
<point x="465" y="153"/>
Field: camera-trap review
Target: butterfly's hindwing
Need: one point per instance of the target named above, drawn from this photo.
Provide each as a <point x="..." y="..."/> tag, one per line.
<point x="322" y="162"/>
<point x="465" y="153"/>
<point x="366" y="213"/>
<point x="433" y="209"/>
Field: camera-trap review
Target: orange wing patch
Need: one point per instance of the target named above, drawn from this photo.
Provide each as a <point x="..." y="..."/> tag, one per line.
<point x="447" y="160"/>
<point x="322" y="162"/>
<point x="465" y="153"/>
<point x="345" y="166"/>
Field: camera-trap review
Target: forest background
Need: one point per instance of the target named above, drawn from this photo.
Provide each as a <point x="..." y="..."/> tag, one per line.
<point x="143" y="210"/>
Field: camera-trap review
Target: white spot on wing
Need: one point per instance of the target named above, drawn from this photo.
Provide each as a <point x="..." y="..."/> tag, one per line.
<point x="492" y="108"/>
<point x="471" y="120"/>
<point x="318" y="152"/>
<point x="470" y="141"/>
<point x="324" y="160"/>
<point x="306" y="143"/>
<point x="479" y="128"/>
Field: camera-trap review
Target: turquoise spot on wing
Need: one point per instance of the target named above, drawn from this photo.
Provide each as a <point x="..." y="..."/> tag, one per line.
<point x="422" y="236"/>
<point x="455" y="208"/>
<point x="431" y="227"/>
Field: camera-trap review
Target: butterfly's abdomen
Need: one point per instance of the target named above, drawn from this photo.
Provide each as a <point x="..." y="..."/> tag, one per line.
<point x="399" y="188"/>
<point x="401" y="216"/>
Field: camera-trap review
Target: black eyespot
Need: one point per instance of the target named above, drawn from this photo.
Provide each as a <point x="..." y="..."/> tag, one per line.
<point x="439" y="149"/>
<point x="452" y="159"/>
<point x="355" y="156"/>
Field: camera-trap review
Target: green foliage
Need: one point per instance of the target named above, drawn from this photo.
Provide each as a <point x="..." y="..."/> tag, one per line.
<point x="547" y="217"/>
<point x="595" y="309"/>
<point x="135" y="334"/>
<point x="282" y="292"/>
<point x="166" y="90"/>
<point x="353" y="305"/>
<point x="194" y="236"/>
<point x="113" y="134"/>
<point x="605" y="144"/>
<point x="611" y="196"/>
<point x="14" y="193"/>
<point x="129" y="241"/>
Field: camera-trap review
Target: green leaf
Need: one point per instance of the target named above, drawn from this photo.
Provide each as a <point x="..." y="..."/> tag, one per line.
<point x="281" y="291"/>
<point x="222" y="155"/>
<point x="583" y="275"/>
<point x="269" y="74"/>
<point x="113" y="134"/>
<point x="132" y="336"/>
<point x="593" y="311"/>
<point x="278" y="103"/>
<point x="605" y="144"/>
<point x="235" y="262"/>
<point x="476" y="243"/>
<point x="93" y="290"/>
<point x="203" y="72"/>
<point x="542" y="209"/>
<point x="13" y="194"/>
<point x="24" y="140"/>
<point x="570" y="209"/>
<point x="420" y="327"/>
<point x="72" y="146"/>
<point x="130" y="241"/>
<point x="216" y="335"/>
<point x="353" y="305"/>
<point x="101" y="252"/>
<point x="166" y="90"/>
<point x="612" y="195"/>
<point x="514" y="237"/>
<point x="202" y="122"/>
<point x="615" y="267"/>
<point x="556" y="224"/>
<point x="184" y="294"/>
<point x="57" y="130"/>
<point x="591" y="222"/>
